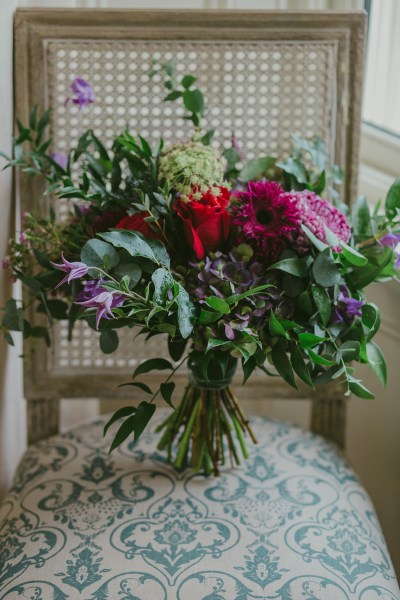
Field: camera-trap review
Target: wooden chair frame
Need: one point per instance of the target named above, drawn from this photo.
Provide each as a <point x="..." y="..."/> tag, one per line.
<point x="34" y="27"/>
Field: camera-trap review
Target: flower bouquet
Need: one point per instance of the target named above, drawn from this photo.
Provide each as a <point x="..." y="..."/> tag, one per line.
<point x="257" y="263"/>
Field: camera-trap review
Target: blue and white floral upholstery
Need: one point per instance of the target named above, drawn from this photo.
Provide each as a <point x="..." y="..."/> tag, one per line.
<point x="293" y="523"/>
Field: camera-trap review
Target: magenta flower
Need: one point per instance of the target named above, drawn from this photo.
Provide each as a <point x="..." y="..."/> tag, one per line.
<point x="267" y="218"/>
<point x="74" y="270"/>
<point x="315" y="213"/>
<point x="83" y="91"/>
<point x="61" y="159"/>
<point x="104" y="302"/>
<point x="392" y="240"/>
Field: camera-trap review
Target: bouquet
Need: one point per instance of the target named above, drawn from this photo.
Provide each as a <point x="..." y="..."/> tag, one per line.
<point x="257" y="263"/>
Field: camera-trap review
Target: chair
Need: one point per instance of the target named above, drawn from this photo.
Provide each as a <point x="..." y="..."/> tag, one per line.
<point x="293" y="522"/>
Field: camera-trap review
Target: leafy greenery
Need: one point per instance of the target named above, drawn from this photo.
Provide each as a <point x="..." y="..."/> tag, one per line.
<point x="293" y="314"/>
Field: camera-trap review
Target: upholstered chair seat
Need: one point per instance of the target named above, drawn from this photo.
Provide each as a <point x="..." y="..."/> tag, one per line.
<point x="293" y="522"/>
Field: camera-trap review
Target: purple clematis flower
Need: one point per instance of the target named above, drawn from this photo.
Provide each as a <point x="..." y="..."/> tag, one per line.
<point x="83" y="91"/>
<point x="90" y="289"/>
<point x="74" y="270"/>
<point x="104" y="302"/>
<point x="348" y="308"/>
<point x="61" y="159"/>
<point x="392" y="240"/>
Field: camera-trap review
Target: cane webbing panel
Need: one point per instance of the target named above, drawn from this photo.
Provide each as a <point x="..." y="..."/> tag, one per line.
<point x="263" y="92"/>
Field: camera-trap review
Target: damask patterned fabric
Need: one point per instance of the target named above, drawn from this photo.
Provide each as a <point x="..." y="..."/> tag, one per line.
<point x="293" y="523"/>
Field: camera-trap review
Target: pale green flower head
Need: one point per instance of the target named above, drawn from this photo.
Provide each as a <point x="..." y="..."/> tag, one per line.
<point x="190" y="164"/>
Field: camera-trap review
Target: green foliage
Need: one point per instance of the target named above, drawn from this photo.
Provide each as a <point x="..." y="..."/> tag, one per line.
<point x="193" y="99"/>
<point x="257" y="168"/>
<point x="392" y="202"/>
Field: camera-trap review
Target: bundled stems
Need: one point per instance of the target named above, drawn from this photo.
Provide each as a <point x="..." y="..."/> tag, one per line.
<point x="207" y="424"/>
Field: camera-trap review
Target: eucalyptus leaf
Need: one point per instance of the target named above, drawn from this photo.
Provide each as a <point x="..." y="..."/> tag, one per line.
<point x="256" y="168"/>
<point x="319" y="244"/>
<point x="294" y="167"/>
<point x="320" y="360"/>
<point x="138" y="246"/>
<point x="322" y="302"/>
<point x="349" y="350"/>
<point x="377" y="362"/>
<point x="130" y="269"/>
<point x="186" y="312"/>
<point x="360" y="390"/>
<point x="163" y="281"/>
<point x="96" y="253"/>
<point x="325" y="270"/>
<point x="294" y="266"/>
<point x="371" y="320"/>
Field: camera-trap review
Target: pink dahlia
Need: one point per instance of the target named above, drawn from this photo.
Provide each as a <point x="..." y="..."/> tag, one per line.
<point x="315" y="212"/>
<point x="267" y="217"/>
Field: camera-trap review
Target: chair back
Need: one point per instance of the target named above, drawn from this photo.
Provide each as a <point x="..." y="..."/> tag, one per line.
<point x="265" y="75"/>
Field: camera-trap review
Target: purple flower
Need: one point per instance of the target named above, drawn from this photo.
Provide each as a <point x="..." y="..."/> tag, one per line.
<point x="229" y="333"/>
<point x="348" y="308"/>
<point x="61" y="159"/>
<point x="74" y="270"/>
<point x="104" y="302"/>
<point x="5" y="263"/>
<point x="236" y="146"/>
<point x="83" y="91"/>
<point x="90" y="289"/>
<point x="392" y="240"/>
<point x="24" y="218"/>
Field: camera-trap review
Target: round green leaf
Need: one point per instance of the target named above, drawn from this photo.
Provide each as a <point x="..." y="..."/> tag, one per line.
<point x="325" y="270"/>
<point x="96" y="253"/>
<point x="293" y="266"/>
<point x="109" y="341"/>
<point x="193" y="101"/>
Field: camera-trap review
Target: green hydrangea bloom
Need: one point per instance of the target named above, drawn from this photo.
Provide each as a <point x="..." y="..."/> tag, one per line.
<point x="190" y="164"/>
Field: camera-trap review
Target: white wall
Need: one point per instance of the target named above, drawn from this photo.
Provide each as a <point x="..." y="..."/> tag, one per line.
<point x="373" y="438"/>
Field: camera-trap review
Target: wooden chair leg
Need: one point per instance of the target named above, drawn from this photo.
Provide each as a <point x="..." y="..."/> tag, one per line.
<point x="42" y="418"/>
<point x="328" y="418"/>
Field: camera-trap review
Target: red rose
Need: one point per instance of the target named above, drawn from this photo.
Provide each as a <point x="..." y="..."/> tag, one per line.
<point x="206" y="221"/>
<point x="137" y="223"/>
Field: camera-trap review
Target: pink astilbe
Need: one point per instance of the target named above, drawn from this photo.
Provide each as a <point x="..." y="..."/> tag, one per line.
<point x="315" y="213"/>
<point x="267" y="217"/>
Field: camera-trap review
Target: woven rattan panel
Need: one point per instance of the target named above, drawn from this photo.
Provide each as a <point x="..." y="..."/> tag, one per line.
<point x="263" y="92"/>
